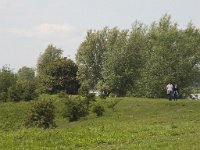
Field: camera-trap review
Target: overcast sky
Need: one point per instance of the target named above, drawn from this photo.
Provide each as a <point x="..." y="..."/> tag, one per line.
<point x="28" y="26"/>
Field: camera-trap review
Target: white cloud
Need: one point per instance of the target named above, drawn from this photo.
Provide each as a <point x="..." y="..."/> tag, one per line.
<point x="40" y="31"/>
<point x="49" y="29"/>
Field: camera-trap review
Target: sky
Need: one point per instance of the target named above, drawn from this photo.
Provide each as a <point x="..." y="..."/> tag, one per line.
<point x="27" y="27"/>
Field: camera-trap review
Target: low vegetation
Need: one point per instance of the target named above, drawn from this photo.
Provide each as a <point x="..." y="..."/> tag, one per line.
<point x="98" y="109"/>
<point x="41" y="113"/>
<point x="75" y="108"/>
<point x="136" y="123"/>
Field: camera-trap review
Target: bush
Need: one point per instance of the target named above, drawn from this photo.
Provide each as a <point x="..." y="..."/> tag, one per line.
<point x="22" y="90"/>
<point x="84" y="89"/>
<point x="3" y="96"/>
<point x="62" y="94"/>
<point x="76" y="107"/>
<point x="41" y="114"/>
<point x="112" y="103"/>
<point x="98" y="108"/>
<point x="90" y="97"/>
<point x="103" y="96"/>
<point x="185" y="92"/>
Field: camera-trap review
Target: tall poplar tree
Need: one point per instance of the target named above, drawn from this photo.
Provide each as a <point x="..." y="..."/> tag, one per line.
<point x="171" y="57"/>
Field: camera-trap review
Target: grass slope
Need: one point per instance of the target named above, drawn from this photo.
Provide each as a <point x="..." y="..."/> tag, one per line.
<point x="136" y="124"/>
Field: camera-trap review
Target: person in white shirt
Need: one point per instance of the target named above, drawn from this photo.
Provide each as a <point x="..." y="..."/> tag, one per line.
<point x="169" y="91"/>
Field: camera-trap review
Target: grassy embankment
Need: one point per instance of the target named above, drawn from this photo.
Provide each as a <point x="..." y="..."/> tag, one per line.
<point x="135" y="124"/>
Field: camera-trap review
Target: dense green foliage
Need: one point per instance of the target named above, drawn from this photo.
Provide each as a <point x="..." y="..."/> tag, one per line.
<point x="75" y="107"/>
<point x="56" y="73"/>
<point x="135" y="124"/>
<point x="26" y="73"/>
<point x="17" y="86"/>
<point x="22" y="90"/>
<point x="90" y="58"/>
<point x="50" y="55"/>
<point x="25" y="86"/>
<point x="98" y="108"/>
<point x="112" y="103"/>
<point x="7" y="79"/>
<point x="140" y="61"/>
<point x="41" y="113"/>
<point x="12" y="115"/>
<point x="61" y="76"/>
<point x="173" y="56"/>
<point x="123" y="60"/>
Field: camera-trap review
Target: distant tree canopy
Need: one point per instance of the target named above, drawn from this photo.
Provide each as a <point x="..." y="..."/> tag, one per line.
<point x="25" y="86"/>
<point x="139" y="61"/>
<point x="26" y="73"/>
<point x="50" y="55"/>
<point x="56" y="73"/>
<point x="17" y="86"/>
<point x="7" y="79"/>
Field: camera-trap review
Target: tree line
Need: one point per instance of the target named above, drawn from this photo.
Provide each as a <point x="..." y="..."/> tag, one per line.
<point x="54" y="73"/>
<point x="139" y="61"/>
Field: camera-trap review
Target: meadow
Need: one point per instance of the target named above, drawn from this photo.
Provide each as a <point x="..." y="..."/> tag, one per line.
<point x="135" y="123"/>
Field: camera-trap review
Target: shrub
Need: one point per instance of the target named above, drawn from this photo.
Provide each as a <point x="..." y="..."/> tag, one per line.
<point x="22" y="90"/>
<point x="62" y="94"/>
<point x="112" y="103"/>
<point x="14" y="93"/>
<point x="76" y="107"/>
<point x="3" y="96"/>
<point x="41" y="114"/>
<point x="103" y="96"/>
<point x="84" y="88"/>
<point x="98" y="108"/>
<point x="90" y="97"/>
<point x="185" y="92"/>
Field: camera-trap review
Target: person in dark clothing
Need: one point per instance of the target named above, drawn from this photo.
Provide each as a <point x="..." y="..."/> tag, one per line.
<point x="175" y="92"/>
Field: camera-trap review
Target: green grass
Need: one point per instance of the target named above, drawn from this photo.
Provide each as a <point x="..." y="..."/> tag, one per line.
<point x="135" y="124"/>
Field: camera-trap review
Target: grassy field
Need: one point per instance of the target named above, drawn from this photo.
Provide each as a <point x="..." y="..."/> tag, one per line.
<point x="135" y="124"/>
